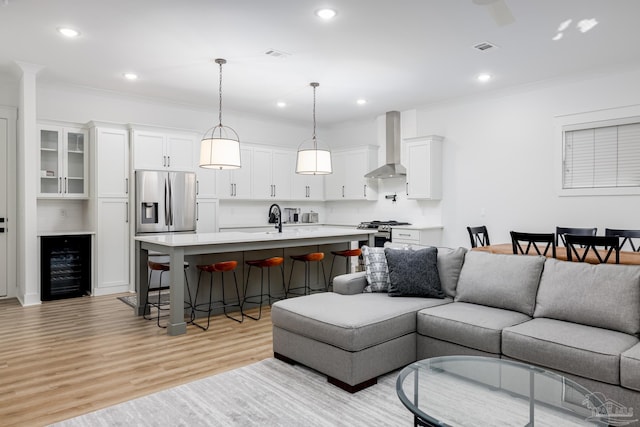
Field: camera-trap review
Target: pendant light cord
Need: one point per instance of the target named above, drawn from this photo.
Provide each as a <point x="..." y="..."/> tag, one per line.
<point x="314" y="86"/>
<point x="220" y="94"/>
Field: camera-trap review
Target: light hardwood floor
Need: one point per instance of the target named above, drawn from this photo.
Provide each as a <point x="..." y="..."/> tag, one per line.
<point x="69" y="357"/>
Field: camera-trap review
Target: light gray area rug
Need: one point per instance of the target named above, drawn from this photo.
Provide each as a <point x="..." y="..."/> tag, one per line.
<point x="267" y="393"/>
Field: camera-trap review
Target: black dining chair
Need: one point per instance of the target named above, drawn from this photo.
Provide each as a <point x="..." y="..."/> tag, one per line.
<point x="479" y="236"/>
<point x="562" y="231"/>
<point x="579" y="247"/>
<point x="627" y="237"/>
<point x="532" y="239"/>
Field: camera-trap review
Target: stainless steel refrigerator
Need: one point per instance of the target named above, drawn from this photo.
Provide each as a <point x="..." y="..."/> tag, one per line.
<point x="165" y="202"/>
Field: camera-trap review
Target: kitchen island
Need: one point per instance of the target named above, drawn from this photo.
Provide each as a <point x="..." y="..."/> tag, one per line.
<point x="177" y="246"/>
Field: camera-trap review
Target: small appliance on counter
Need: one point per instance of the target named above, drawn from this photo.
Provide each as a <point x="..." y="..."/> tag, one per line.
<point x="310" y="217"/>
<point x="291" y="215"/>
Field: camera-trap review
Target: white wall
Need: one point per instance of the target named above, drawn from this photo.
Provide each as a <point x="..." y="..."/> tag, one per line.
<point x="81" y="105"/>
<point x="499" y="156"/>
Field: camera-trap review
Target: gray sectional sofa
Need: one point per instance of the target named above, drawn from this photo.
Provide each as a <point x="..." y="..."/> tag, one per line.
<point x="580" y="320"/>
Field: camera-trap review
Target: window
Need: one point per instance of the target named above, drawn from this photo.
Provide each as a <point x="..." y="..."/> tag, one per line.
<point x="602" y="155"/>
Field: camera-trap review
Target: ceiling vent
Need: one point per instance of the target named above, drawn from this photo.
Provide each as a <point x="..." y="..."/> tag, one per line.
<point x="484" y="46"/>
<point x="277" y="53"/>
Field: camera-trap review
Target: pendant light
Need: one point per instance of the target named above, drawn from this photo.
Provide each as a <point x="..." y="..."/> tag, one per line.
<point x="220" y="145"/>
<point x="314" y="158"/>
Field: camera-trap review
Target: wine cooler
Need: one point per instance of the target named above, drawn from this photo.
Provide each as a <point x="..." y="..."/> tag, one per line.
<point x="65" y="267"/>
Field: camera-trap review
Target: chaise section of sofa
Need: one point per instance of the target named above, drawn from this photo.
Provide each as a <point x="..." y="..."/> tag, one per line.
<point x="351" y="336"/>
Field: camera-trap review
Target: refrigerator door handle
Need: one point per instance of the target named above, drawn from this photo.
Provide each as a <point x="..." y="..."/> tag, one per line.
<point x="170" y="203"/>
<point x="166" y="204"/>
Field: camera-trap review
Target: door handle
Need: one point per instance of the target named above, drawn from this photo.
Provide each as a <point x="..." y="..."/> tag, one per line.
<point x="2" y="227"/>
<point x="164" y="161"/>
<point x="197" y="187"/>
<point x="127" y="215"/>
<point x="407" y="188"/>
<point x="168" y="161"/>
<point x="66" y="185"/>
<point x="197" y="211"/>
<point x="60" y="184"/>
<point x="365" y="190"/>
<point x="126" y="186"/>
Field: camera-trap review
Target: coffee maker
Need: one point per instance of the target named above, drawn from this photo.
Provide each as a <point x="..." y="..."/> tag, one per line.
<point x="291" y="215"/>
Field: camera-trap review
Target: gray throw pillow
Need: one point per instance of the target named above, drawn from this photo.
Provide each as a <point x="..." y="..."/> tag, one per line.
<point x="449" y="265"/>
<point x="376" y="271"/>
<point x="414" y="273"/>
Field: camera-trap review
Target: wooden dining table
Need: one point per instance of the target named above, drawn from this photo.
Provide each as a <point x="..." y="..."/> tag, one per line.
<point x="626" y="257"/>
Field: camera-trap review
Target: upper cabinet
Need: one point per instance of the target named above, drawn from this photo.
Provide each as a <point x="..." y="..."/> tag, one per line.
<point x="273" y="172"/>
<point x="63" y="162"/>
<point x="154" y="150"/>
<point x="307" y="187"/>
<point x="347" y="182"/>
<point x="424" y="167"/>
<point x="111" y="162"/>
<point x="236" y="183"/>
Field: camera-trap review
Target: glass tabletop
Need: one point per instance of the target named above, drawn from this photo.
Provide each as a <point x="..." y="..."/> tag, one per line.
<point x="473" y="391"/>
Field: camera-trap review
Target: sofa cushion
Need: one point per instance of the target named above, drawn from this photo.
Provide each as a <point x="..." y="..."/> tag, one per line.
<point x="568" y="347"/>
<point x="413" y="273"/>
<point x="377" y="273"/>
<point x="501" y="281"/>
<point x="630" y="368"/>
<point x="470" y="325"/>
<point x="350" y="322"/>
<point x="604" y="295"/>
<point x="449" y="265"/>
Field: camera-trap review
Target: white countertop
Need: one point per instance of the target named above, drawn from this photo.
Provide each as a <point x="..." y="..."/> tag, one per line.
<point x="302" y="233"/>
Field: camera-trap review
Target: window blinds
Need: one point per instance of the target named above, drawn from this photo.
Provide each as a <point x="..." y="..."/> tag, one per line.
<point x="602" y="157"/>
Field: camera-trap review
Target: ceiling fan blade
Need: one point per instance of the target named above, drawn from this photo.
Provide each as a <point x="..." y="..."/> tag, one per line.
<point x="498" y="10"/>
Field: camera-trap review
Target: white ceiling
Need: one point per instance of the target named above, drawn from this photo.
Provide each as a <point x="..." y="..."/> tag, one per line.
<point x="397" y="54"/>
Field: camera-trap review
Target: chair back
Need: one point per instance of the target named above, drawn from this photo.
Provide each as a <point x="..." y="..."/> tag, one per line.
<point x="627" y="237"/>
<point x="562" y="231"/>
<point x="580" y="246"/>
<point x="479" y="236"/>
<point x="532" y="240"/>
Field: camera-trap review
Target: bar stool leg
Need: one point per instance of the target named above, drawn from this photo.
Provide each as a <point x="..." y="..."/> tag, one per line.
<point x="246" y="287"/>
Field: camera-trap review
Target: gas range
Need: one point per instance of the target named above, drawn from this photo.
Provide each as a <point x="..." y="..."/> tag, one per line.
<point x="382" y="226"/>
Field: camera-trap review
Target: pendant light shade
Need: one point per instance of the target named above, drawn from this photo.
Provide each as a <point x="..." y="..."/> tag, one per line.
<point x="314" y="157"/>
<point x="220" y="145"/>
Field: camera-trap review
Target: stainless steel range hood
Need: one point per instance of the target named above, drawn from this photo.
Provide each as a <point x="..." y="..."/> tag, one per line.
<point x="392" y="168"/>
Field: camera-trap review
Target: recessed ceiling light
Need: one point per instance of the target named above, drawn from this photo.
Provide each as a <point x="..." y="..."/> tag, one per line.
<point x="281" y="104"/>
<point x="68" y="32"/>
<point x="130" y="76"/>
<point x="326" y="13"/>
<point x="361" y="101"/>
<point x="484" y="77"/>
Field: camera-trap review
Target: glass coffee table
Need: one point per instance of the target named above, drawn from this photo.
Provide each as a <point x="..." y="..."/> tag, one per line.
<point x="483" y="391"/>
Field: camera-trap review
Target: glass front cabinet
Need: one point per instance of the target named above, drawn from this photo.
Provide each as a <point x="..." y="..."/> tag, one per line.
<point x="63" y="162"/>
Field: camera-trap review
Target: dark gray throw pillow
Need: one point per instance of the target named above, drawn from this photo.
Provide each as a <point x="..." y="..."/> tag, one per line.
<point x="414" y="273"/>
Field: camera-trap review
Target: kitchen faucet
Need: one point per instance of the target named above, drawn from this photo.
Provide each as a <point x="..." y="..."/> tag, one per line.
<point x="275" y="216"/>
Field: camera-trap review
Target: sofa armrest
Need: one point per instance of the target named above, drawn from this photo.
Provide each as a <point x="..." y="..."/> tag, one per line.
<point x="350" y="284"/>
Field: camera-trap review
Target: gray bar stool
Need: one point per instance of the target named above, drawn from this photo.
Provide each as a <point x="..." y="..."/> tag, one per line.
<point x="307" y="259"/>
<point x="262" y="264"/>
<point x="219" y="267"/>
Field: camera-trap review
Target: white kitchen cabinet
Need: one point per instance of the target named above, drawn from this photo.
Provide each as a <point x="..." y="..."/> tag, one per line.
<point x="112" y="246"/>
<point x="206" y="215"/>
<point x="63" y="162"/>
<point x="111" y="162"/>
<point x="347" y="182"/>
<point x="163" y="151"/>
<point x="424" y="167"/>
<point x="307" y="187"/>
<point x="236" y="183"/>
<point x="273" y="172"/>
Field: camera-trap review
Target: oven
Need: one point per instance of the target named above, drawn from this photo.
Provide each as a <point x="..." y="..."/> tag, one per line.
<point x="383" y="233"/>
